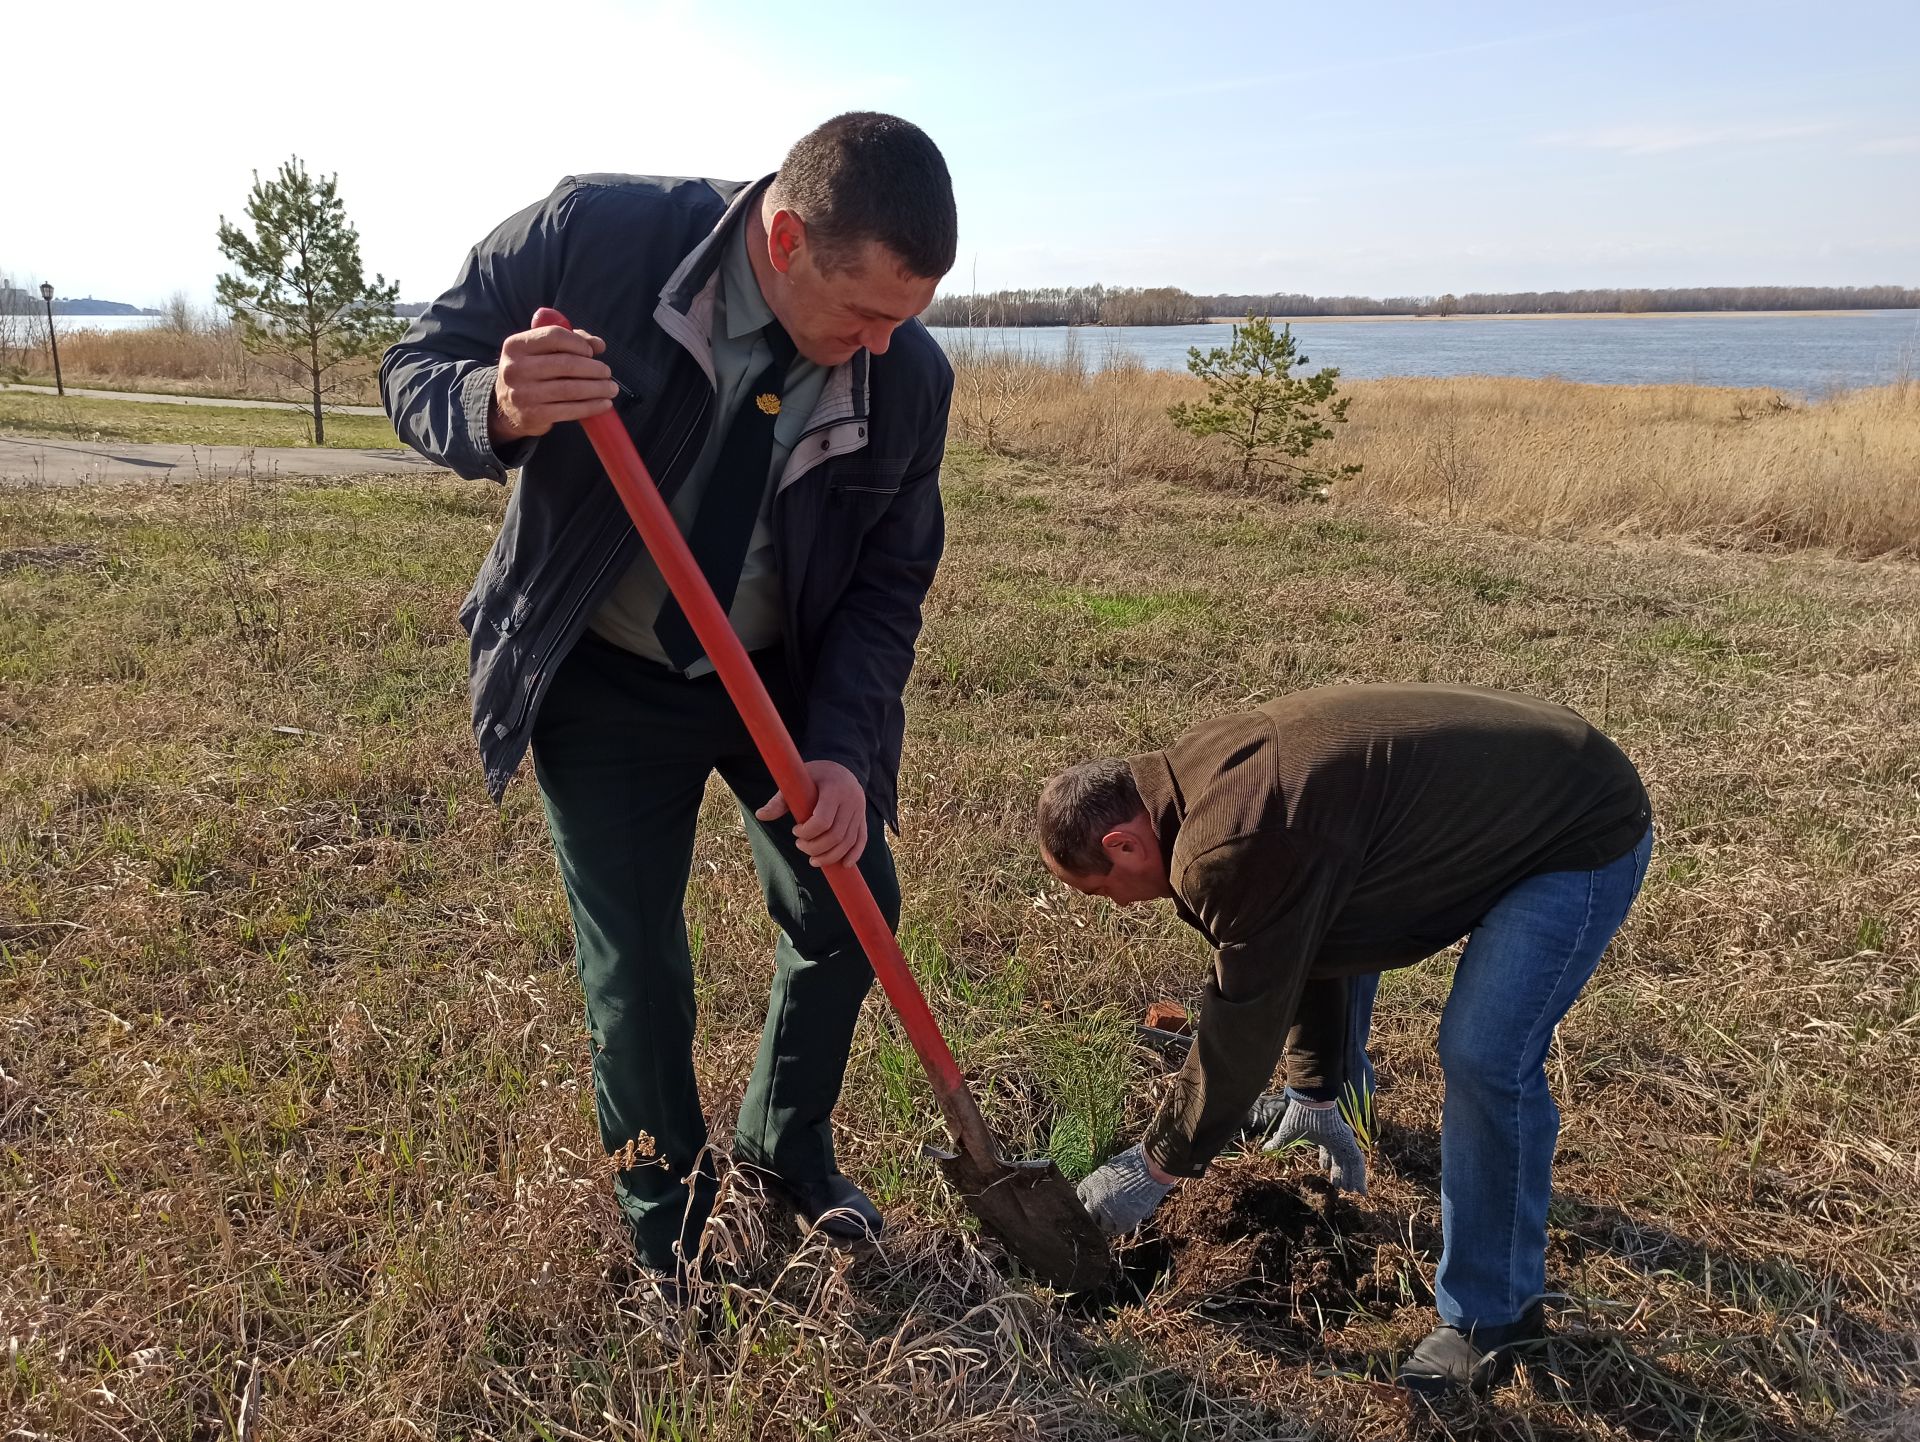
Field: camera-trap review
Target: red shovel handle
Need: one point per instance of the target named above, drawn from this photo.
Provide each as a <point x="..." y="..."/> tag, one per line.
<point x="683" y="576"/>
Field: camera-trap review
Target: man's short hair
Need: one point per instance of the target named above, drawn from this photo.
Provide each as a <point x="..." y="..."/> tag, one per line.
<point x="866" y="176"/>
<point x="1081" y="805"/>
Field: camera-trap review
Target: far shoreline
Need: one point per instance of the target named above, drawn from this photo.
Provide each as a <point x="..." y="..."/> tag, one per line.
<point x="1503" y="315"/>
<point x="1564" y="315"/>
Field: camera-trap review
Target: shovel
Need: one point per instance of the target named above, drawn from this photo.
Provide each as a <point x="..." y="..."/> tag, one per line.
<point x="1028" y="1205"/>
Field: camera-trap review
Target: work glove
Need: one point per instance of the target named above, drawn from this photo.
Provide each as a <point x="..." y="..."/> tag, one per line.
<point x="1122" y="1194"/>
<point x="1285" y="1119"/>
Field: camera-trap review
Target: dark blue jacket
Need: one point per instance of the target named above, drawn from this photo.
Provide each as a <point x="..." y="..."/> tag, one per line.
<point x="857" y="520"/>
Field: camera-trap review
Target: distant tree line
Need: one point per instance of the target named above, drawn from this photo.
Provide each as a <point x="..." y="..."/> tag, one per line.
<point x="1168" y="305"/>
<point x="1072" y="305"/>
<point x="14" y="301"/>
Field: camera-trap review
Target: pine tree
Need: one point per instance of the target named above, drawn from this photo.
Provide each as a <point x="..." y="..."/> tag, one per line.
<point x="1270" y="416"/>
<point x="300" y="294"/>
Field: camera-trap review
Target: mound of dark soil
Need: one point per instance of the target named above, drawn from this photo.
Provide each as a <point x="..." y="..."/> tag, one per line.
<point x="1244" y="1240"/>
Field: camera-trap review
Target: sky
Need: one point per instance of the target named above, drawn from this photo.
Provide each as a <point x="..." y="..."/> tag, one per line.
<point x="1384" y="149"/>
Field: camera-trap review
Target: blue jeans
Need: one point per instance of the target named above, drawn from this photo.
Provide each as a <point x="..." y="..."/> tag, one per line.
<point x="1356" y="1089"/>
<point x="1361" y="990"/>
<point x="1523" y="966"/>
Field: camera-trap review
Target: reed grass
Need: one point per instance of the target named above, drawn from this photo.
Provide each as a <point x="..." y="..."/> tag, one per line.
<point x="1546" y="458"/>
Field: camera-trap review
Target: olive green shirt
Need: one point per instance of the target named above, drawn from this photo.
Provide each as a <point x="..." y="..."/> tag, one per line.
<point x="1352" y="829"/>
<point x="740" y="353"/>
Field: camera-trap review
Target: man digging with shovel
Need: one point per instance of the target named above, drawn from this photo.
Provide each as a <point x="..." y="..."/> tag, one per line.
<point x="758" y="344"/>
<point x="1347" y="830"/>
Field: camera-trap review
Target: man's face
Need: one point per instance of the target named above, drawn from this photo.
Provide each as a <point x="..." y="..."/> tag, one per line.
<point x="859" y="302"/>
<point x="1137" y="874"/>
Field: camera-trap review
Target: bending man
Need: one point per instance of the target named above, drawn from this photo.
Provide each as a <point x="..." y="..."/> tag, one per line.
<point x="1347" y="830"/>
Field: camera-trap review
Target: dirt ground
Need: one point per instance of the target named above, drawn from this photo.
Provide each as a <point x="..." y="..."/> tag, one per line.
<point x="1265" y="1278"/>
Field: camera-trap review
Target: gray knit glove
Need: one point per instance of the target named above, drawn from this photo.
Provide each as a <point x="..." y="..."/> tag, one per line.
<point x="1122" y="1194"/>
<point x="1286" y="1119"/>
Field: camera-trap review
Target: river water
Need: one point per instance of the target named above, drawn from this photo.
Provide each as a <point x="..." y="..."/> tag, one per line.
<point x="37" y="322"/>
<point x="1805" y="354"/>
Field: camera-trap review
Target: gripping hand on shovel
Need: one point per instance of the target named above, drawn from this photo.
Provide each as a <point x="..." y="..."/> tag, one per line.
<point x="1285" y="1119"/>
<point x="836" y="833"/>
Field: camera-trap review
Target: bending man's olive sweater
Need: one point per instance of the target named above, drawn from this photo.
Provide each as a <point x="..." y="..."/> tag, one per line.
<point x="1352" y="829"/>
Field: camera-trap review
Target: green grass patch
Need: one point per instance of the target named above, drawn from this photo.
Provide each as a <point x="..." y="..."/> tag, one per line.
<point x="1482" y="583"/>
<point x="1120" y="610"/>
<point x="24" y="413"/>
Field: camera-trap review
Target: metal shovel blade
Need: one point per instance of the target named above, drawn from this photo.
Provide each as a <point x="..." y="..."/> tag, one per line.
<point x="1034" y="1212"/>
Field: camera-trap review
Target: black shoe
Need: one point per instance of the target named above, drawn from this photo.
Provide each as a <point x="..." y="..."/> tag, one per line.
<point x="681" y="1305"/>
<point x="675" y="1286"/>
<point x="1449" y="1360"/>
<point x="833" y="1204"/>
<point x="661" y="1297"/>
<point x="669" y="1286"/>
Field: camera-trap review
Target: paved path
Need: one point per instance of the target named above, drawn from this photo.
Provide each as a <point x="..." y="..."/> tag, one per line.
<point x="61" y="462"/>
<point x="167" y="400"/>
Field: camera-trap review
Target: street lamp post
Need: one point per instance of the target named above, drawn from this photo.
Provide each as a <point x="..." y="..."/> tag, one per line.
<point x="53" y="343"/>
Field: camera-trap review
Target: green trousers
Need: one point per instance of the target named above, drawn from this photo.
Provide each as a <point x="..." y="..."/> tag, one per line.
<point x="623" y="749"/>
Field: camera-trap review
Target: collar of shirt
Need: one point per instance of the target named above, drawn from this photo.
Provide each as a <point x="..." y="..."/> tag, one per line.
<point x="746" y="308"/>
<point x="741" y="350"/>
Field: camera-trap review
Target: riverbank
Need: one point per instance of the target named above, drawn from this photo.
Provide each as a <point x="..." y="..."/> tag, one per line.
<point x="1798" y="353"/>
<point x="204" y="361"/>
<point x="1715" y="466"/>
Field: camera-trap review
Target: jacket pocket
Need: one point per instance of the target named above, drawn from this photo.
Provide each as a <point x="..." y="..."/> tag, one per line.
<point x="639" y="382"/>
<point x="865" y="476"/>
<point x="485" y="599"/>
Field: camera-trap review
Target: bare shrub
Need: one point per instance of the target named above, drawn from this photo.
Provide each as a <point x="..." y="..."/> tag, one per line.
<point x="245" y="529"/>
<point x="1000" y="385"/>
<point x="1453" y="470"/>
<point x="19" y="335"/>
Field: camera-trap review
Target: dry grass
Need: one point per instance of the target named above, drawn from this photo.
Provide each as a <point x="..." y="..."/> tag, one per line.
<point x="1552" y="458"/>
<point x="196" y="360"/>
<point x="295" y="1113"/>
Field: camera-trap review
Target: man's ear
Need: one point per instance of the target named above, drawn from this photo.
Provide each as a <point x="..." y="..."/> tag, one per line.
<point x="1119" y="842"/>
<point x="785" y="235"/>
